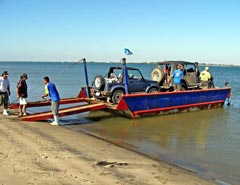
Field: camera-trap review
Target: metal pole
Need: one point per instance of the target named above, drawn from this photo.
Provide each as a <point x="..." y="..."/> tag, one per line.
<point x="125" y="75"/>
<point x="86" y="75"/>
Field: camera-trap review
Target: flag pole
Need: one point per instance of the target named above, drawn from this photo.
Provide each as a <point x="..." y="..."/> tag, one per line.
<point x="125" y="71"/>
<point x="125" y="75"/>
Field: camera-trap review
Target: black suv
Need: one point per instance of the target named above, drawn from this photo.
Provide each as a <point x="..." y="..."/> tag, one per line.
<point x="163" y="74"/>
<point x="112" y="84"/>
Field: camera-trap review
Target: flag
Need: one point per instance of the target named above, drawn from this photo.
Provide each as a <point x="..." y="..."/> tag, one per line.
<point x="127" y="52"/>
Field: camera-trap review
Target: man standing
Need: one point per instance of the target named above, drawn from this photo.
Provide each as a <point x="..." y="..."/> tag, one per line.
<point x="205" y="77"/>
<point x="177" y="77"/>
<point x="51" y="90"/>
<point x="4" y="92"/>
<point x="22" y="94"/>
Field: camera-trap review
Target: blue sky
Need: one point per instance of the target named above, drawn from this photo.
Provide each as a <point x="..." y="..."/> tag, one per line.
<point x="154" y="30"/>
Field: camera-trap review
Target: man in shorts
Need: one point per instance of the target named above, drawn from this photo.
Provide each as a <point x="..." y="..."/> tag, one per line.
<point x="21" y="91"/>
<point x="4" y="92"/>
<point x="177" y="77"/>
<point x="51" y="90"/>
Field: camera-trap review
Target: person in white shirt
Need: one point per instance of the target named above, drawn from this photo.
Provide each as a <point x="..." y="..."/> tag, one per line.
<point x="4" y="92"/>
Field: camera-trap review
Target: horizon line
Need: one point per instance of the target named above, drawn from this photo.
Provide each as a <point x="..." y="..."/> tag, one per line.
<point x="149" y="62"/>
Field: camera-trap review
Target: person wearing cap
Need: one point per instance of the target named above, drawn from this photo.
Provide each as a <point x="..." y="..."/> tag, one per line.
<point x="51" y="90"/>
<point x="205" y="78"/>
<point x="4" y="92"/>
<point x="21" y="91"/>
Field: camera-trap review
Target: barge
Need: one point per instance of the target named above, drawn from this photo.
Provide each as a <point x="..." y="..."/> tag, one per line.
<point x="136" y="104"/>
<point x="150" y="103"/>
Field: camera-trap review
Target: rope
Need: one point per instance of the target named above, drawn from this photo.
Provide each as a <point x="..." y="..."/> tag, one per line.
<point x="60" y="72"/>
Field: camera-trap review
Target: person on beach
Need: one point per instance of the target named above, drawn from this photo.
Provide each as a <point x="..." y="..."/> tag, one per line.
<point x="177" y="77"/>
<point x="21" y="91"/>
<point x="51" y="90"/>
<point x="4" y="92"/>
<point x="205" y="78"/>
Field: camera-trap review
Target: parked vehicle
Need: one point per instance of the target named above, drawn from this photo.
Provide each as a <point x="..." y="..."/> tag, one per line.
<point x="112" y="85"/>
<point x="163" y="74"/>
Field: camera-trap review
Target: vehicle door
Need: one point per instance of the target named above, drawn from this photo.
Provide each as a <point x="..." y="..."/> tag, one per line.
<point x="136" y="82"/>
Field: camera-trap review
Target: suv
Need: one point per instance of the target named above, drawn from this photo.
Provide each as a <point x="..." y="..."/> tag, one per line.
<point x="112" y="85"/>
<point x="163" y="74"/>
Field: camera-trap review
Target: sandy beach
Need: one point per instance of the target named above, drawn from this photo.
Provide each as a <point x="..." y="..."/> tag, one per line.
<point x="38" y="153"/>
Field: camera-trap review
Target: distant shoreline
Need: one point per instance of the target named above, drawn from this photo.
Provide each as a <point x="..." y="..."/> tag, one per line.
<point x="100" y="62"/>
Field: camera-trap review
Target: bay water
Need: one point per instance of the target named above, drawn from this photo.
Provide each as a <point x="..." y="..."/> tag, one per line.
<point x="206" y="142"/>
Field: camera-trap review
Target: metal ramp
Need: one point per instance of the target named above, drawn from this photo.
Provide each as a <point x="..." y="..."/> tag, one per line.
<point x="82" y="97"/>
<point x="65" y="112"/>
<point x="47" y="103"/>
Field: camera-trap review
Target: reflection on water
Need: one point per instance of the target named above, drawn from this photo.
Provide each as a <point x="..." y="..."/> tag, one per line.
<point x="204" y="141"/>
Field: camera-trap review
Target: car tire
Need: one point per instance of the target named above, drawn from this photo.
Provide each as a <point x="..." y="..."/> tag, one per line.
<point x="99" y="82"/>
<point x="153" y="90"/>
<point x="116" y="96"/>
<point x="157" y="75"/>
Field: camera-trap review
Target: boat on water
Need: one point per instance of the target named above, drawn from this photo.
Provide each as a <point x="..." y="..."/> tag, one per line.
<point x="121" y="95"/>
<point x="158" y="101"/>
<point x="138" y="105"/>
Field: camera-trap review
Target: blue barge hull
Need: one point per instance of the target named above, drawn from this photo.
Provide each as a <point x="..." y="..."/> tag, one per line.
<point x="134" y="105"/>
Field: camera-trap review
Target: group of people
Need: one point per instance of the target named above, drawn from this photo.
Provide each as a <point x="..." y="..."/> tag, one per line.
<point x="22" y="94"/>
<point x="206" y="79"/>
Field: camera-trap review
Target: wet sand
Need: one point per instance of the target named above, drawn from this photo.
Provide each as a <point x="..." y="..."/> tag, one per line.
<point x="38" y="153"/>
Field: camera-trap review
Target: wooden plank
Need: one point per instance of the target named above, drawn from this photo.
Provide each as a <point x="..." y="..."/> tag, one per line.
<point x="65" y="112"/>
<point x="48" y="103"/>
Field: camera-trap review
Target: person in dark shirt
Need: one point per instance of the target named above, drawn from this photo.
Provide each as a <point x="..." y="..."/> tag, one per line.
<point x="21" y="91"/>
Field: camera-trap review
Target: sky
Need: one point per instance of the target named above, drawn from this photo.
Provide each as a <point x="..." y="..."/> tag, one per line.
<point x="99" y="30"/>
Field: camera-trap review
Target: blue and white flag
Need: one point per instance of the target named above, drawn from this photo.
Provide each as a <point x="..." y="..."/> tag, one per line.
<point x="127" y="52"/>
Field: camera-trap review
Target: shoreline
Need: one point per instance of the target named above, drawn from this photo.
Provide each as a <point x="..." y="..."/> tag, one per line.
<point x="114" y="62"/>
<point x="38" y="153"/>
<point x="129" y="148"/>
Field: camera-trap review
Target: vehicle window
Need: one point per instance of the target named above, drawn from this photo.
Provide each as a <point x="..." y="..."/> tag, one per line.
<point x="166" y="67"/>
<point x="134" y="74"/>
<point x="118" y="73"/>
<point x="161" y="66"/>
<point x="190" y="68"/>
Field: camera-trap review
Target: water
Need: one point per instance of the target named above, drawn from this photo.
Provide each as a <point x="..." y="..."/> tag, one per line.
<point x="206" y="142"/>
